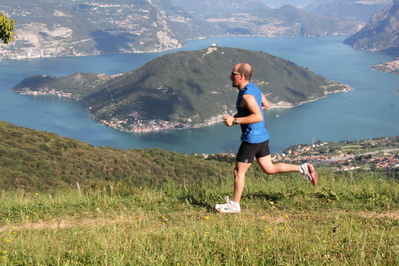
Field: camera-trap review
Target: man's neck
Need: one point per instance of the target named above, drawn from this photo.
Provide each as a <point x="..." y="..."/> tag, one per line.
<point x="243" y="85"/>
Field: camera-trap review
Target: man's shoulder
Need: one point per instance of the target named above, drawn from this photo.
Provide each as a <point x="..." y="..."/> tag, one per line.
<point x="251" y="87"/>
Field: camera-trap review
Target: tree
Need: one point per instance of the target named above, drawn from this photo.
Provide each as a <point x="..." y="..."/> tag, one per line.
<point x="7" y="34"/>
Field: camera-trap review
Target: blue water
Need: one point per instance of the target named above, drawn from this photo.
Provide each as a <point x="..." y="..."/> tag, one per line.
<point x="370" y="110"/>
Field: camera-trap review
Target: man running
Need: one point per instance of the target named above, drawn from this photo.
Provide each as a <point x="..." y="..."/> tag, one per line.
<point x="255" y="138"/>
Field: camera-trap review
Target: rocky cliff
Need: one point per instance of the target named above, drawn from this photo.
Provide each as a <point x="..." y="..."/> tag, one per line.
<point x="381" y="34"/>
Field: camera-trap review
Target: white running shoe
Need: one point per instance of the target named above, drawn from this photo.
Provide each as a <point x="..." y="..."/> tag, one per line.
<point x="228" y="207"/>
<point x="308" y="172"/>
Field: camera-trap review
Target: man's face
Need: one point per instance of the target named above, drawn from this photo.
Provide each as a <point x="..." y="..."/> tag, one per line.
<point x="235" y="77"/>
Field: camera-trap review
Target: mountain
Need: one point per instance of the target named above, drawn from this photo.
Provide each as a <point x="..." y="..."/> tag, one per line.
<point x="56" y="29"/>
<point x="76" y="28"/>
<point x="354" y="10"/>
<point x="381" y="33"/>
<point x="279" y="3"/>
<point x="183" y="89"/>
<point x="284" y="21"/>
<point x="201" y="8"/>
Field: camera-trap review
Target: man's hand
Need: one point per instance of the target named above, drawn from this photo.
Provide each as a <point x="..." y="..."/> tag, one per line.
<point x="228" y="120"/>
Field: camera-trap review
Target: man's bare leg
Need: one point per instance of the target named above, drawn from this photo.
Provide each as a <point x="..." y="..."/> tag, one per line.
<point x="239" y="180"/>
<point x="269" y="168"/>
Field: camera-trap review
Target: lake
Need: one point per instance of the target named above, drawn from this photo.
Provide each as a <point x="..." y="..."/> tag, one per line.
<point x="370" y="110"/>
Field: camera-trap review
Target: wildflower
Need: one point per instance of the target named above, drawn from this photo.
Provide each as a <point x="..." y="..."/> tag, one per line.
<point x="37" y="194"/>
<point x="207" y="217"/>
<point x="8" y="241"/>
<point x="4" y="252"/>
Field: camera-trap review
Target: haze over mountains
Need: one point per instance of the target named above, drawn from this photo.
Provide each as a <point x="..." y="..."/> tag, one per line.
<point x="82" y="27"/>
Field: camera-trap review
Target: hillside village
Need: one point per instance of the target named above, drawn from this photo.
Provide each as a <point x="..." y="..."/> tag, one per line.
<point x="370" y="154"/>
<point x="380" y="154"/>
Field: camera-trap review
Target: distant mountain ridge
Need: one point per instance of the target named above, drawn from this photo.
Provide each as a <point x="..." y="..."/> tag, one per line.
<point x="183" y="89"/>
<point x="381" y="34"/>
<point x="77" y="28"/>
<point x="356" y="10"/>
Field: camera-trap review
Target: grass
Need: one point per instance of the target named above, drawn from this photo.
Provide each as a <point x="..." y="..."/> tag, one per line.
<point x="348" y="219"/>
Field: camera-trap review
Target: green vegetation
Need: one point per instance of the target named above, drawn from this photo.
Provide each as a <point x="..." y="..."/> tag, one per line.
<point x="39" y="161"/>
<point x="346" y="220"/>
<point x="356" y="147"/>
<point x="187" y="86"/>
<point x="7" y="33"/>
<point x="65" y="202"/>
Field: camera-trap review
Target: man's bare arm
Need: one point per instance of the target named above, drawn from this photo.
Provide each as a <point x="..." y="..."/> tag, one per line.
<point x="265" y="102"/>
<point x="248" y="101"/>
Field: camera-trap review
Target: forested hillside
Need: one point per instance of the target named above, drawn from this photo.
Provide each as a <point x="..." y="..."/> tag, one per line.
<point x="37" y="160"/>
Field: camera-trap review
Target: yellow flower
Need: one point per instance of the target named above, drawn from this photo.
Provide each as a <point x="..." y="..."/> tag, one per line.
<point x="4" y="252"/>
<point x="207" y="217"/>
<point x="8" y="241"/>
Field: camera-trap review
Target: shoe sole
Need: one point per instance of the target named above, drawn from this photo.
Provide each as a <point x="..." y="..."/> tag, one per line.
<point x="219" y="211"/>
<point x="313" y="174"/>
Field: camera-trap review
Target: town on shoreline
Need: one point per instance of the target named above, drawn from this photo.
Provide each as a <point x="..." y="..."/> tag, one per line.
<point x="369" y="154"/>
<point x="151" y="125"/>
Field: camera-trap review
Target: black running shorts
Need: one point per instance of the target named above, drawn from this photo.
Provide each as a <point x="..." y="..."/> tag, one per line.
<point x="248" y="151"/>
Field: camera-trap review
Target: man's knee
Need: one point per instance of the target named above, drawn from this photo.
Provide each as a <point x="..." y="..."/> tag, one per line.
<point x="269" y="169"/>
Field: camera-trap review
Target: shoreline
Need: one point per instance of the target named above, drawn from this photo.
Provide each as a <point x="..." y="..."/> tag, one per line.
<point x="156" y="125"/>
<point x="391" y="67"/>
<point x="160" y="125"/>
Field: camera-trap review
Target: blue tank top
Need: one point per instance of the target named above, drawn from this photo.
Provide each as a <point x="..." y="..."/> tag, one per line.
<point x="252" y="133"/>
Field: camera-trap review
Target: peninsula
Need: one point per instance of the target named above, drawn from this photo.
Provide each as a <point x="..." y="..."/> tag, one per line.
<point x="182" y="90"/>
